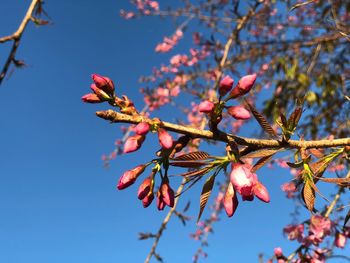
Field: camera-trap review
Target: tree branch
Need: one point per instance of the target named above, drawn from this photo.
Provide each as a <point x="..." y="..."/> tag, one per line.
<point x="16" y="37"/>
<point x="116" y="117"/>
<point x="165" y="222"/>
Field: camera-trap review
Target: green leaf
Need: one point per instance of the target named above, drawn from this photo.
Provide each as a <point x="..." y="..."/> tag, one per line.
<point x="206" y="191"/>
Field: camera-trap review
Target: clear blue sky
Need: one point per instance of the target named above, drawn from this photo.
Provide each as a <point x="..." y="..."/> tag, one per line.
<point x="58" y="203"/>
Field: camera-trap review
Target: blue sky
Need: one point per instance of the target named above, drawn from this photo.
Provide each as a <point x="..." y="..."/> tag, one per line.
<point x="58" y="203"/>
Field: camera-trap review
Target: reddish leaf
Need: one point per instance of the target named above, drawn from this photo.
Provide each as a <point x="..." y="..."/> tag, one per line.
<point x="206" y="191"/>
<point x="262" y="153"/>
<point x="308" y="195"/>
<point x="260" y="163"/>
<point x="188" y="164"/>
<point x="262" y="121"/>
<point x="192" y="156"/>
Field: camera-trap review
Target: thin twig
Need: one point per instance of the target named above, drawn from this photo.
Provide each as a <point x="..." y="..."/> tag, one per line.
<point x="16" y="37"/>
<point x="164" y="223"/>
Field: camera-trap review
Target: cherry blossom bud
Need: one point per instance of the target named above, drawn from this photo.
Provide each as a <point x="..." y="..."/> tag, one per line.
<point x="206" y="106"/>
<point x="100" y="93"/>
<point x="261" y="192"/>
<point x="91" y="98"/>
<point x="167" y="194"/>
<point x="243" y="87"/>
<point x="148" y="199"/>
<point x="225" y="85"/>
<point x="248" y="197"/>
<point x="145" y="188"/>
<point x="133" y="143"/>
<point x="238" y="112"/>
<point x="165" y="139"/>
<point x="160" y="201"/>
<point x="104" y="83"/>
<point x="230" y="200"/>
<point x="130" y="176"/>
<point x="142" y="128"/>
<point x="278" y="252"/>
<point x="243" y="180"/>
<point x="340" y="240"/>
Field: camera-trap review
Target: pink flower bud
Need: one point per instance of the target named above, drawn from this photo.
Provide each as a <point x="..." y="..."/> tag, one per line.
<point x="100" y="93"/>
<point x="248" y="197"/>
<point x="104" y="83"/>
<point x="91" y="98"/>
<point x="243" y="180"/>
<point x="160" y="201"/>
<point x="148" y="199"/>
<point x="238" y="112"/>
<point x="145" y="188"/>
<point x="278" y="252"/>
<point x="206" y="106"/>
<point x="225" y="85"/>
<point x="243" y="87"/>
<point x="340" y="240"/>
<point x="133" y="143"/>
<point x="142" y="128"/>
<point x="167" y="194"/>
<point x="261" y="192"/>
<point x="130" y="176"/>
<point x="165" y="139"/>
<point x="230" y="200"/>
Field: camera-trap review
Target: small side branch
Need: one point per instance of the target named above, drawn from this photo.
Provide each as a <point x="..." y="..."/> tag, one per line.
<point x="164" y="224"/>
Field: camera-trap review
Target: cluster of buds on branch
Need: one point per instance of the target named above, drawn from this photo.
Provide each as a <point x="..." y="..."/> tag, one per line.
<point x="214" y="109"/>
<point x="242" y="179"/>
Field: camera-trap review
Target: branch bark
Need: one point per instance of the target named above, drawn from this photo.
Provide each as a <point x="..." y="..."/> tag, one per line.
<point x="16" y="37"/>
<point x="116" y="117"/>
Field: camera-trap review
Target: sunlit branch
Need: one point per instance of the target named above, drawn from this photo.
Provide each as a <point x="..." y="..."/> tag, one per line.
<point x="16" y="37"/>
<point x="117" y="117"/>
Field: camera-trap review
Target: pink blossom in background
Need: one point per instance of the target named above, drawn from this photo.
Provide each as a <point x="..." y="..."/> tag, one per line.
<point x="319" y="228"/>
<point x="154" y="5"/>
<point x="294" y="232"/>
<point x="289" y="188"/>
